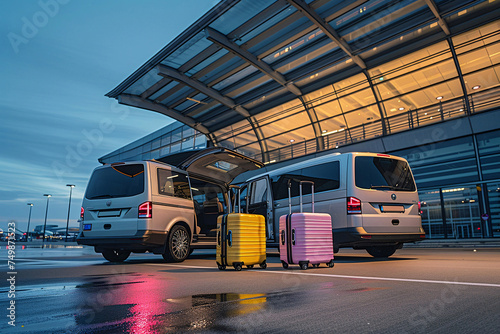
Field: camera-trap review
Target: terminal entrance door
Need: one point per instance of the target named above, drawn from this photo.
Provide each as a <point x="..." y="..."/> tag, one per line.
<point x="462" y="212"/>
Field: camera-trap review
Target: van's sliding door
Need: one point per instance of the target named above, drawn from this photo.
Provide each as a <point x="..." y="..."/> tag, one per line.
<point x="258" y="202"/>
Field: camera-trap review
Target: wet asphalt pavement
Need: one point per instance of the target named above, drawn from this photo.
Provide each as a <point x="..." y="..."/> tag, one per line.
<point x="415" y="291"/>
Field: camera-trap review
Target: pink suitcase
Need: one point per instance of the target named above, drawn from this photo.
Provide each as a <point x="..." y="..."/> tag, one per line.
<point x="305" y="237"/>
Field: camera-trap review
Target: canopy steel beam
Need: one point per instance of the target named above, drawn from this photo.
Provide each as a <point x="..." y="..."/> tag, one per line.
<point x="172" y="73"/>
<point x="220" y="39"/>
<point x="202" y="88"/>
<point x="442" y="23"/>
<point x="138" y="102"/>
<point x="327" y="30"/>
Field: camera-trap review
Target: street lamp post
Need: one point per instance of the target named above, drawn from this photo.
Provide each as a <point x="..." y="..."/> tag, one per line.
<point x="71" y="186"/>
<point x="29" y="219"/>
<point x="46" y="211"/>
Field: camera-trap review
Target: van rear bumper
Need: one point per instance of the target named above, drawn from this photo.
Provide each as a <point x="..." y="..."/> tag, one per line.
<point x="357" y="237"/>
<point x="141" y="241"/>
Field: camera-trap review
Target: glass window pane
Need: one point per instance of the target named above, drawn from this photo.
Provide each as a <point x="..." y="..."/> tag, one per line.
<point x="174" y="148"/>
<point x="479" y="81"/>
<point x="187" y="143"/>
<point x="200" y="141"/>
<point x="489" y="154"/>
<point x="432" y="220"/>
<point x="413" y="61"/>
<point x="176" y="135"/>
<point x="476" y="38"/>
<point x="173" y="184"/>
<point x="494" y="204"/>
<point x="166" y="139"/>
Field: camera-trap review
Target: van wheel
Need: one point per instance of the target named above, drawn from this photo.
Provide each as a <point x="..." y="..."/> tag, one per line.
<point x="381" y="251"/>
<point x="178" y="242"/>
<point x="115" y="255"/>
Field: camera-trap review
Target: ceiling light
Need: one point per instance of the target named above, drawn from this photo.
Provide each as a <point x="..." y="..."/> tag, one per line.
<point x="401" y="108"/>
<point x="292" y="140"/>
<point x="476" y="87"/>
<point x="439" y="98"/>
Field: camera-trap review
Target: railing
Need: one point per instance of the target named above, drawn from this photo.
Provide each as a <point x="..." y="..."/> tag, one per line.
<point x="408" y="120"/>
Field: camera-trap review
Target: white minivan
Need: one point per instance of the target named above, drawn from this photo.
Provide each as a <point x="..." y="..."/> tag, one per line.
<point x="152" y="206"/>
<point x="372" y="199"/>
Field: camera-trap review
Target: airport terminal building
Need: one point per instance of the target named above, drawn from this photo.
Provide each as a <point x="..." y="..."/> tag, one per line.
<point x="281" y="80"/>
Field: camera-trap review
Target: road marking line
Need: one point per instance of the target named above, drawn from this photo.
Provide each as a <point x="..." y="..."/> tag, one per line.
<point x="344" y="276"/>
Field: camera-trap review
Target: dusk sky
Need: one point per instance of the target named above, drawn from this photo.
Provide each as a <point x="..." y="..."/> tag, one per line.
<point x="58" y="58"/>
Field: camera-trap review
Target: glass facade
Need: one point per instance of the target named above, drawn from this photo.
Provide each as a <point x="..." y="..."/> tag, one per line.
<point x="173" y="138"/>
<point x="455" y="189"/>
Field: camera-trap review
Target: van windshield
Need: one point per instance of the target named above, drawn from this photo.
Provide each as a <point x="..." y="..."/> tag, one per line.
<point x="383" y="174"/>
<point x="116" y="181"/>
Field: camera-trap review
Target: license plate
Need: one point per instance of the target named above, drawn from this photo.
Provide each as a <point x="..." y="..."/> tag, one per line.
<point x="87" y="227"/>
<point x="392" y="208"/>
<point x="109" y="213"/>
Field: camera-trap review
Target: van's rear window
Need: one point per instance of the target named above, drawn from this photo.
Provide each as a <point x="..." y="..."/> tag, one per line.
<point x="116" y="181"/>
<point x="383" y="174"/>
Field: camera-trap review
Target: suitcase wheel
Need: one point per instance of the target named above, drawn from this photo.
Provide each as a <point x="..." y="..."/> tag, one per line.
<point x="316" y="265"/>
<point x="250" y="266"/>
<point x="238" y="267"/>
<point x="330" y="264"/>
<point x="303" y="266"/>
<point x="222" y="267"/>
<point x="263" y="265"/>
<point x="284" y="264"/>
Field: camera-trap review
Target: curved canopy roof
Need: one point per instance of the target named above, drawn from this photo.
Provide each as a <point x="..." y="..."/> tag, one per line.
<point x="249" y="71"/>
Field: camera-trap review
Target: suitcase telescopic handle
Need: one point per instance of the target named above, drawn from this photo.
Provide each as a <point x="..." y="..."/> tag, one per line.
<point x="293" y="236"/>
<point x="312" y="194"/>
<point x="238" y="200"/>
<point x="229" y="238"/>
<point x="218" y="238"/>
<point x="300" y="194"/>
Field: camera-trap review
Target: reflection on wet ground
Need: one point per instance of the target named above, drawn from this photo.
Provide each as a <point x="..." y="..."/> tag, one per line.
<point x="135" y="306"/>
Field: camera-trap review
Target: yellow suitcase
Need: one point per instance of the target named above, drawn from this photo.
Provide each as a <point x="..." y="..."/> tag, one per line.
<point x="241" y="241"/>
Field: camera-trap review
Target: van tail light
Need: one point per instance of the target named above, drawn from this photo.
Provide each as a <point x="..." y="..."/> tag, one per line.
<point x="419" y="208"/>
<point x="82" y="211"/>
<point x="146" y="210"/>
<point x="353" y="205"/>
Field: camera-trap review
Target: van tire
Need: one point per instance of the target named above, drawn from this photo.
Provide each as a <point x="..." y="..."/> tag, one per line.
<point x="381" y="251"/>
<point x="178" y="244"/>
<point x="115" y="255"/>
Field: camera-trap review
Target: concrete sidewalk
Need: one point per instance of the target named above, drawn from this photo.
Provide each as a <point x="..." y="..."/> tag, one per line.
<point x="456" y="243"/>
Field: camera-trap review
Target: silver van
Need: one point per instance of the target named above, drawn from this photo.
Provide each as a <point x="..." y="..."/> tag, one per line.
<point x="156" y="207"/>
<point x="372" y="199"/>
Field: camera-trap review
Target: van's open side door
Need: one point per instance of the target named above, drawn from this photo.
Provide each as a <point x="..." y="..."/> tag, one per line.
<point x="259" y="202"/>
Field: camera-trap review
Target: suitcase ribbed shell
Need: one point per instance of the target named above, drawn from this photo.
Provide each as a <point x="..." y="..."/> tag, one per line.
<point x="248" y="239"/>
<point x="313" y="238"/>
